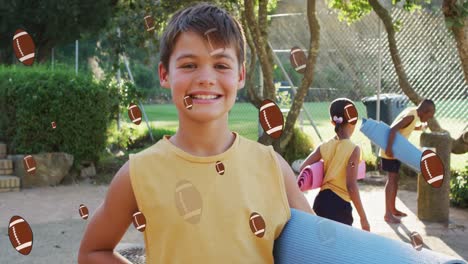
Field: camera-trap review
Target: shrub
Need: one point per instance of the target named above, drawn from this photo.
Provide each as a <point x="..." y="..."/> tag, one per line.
<point x="32" y="97"/>
<point x="299" y="147"/>
<point x="459" y="188"/>
<point x="132" y="137"/>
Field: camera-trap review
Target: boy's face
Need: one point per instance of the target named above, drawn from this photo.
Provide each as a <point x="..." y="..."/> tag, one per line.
<point x="428" y="114"/>
<point x="211" y="79"/>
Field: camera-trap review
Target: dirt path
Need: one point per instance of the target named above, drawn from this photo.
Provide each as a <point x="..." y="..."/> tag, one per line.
<point x="53" y="215"/>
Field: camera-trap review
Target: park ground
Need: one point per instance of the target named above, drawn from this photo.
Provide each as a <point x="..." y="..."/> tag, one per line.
<point x="53" y="215"/>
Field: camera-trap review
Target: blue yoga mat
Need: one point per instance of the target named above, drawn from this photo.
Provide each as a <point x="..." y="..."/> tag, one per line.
<point x="310" y="239"/>
<point x="403" y="150"/>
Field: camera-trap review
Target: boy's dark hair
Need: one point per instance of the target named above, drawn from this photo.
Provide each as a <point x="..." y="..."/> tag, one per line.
<point x="338" y="115"/>
<point x="200" y="18"/>
<point x="426" y="104"/>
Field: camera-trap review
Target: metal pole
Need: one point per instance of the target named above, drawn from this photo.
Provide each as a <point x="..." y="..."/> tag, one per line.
<point x="294" y="93"/>
<point x="379" y="83"/>
<point x="118" y="80"/>
<point x="76" y="57"/>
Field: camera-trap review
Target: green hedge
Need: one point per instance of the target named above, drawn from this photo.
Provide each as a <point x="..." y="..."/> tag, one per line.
<point x="459" y="188"/>
<point x="32" y="97"/>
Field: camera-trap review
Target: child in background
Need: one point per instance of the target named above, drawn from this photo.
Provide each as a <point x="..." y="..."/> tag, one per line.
<point x="404" y="123"/>
<point x="208" y="194"/>
<point x="341" y="158"/>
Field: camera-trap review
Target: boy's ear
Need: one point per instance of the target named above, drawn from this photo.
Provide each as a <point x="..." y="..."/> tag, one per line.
<point x="241" y="77"/>
<point x="163" y="76"/>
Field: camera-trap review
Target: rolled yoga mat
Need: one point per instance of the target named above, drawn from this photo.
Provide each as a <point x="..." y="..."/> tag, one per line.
<point x="403" y="150"/>
<point x="308" y="239"/>
<point x="311" y="177"/>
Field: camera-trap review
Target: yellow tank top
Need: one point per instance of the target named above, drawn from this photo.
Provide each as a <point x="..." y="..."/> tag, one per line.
<point x="227" y="208"/>
<point x="406" y="131"/>
<point x="335" y="154"/>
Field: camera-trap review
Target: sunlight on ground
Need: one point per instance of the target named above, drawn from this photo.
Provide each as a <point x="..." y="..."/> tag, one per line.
<point x="373" y="200"/>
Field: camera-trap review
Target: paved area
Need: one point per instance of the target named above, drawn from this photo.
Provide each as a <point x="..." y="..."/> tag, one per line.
<point x="53" y="215"/>
<point x="451" y="239"/>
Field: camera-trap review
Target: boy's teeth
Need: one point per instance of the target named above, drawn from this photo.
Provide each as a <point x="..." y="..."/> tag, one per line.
<point x="204" y="97"/>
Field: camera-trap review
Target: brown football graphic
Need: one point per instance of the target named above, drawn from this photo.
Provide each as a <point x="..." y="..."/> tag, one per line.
<point x="84" y="212"/>
<point x="188" y="201"/>
<point x="149" y="23"/>
<point x="257" y="224"/>
<point x="188" y="102"/>
<point x="298" y="59"/>
<point x="21" y="235"/>
<point x="432" y="168"/>
<point x="416" y="240"/>
<point x="351" y="114"/>
<point x="271" y="118"/>
<point x="29" y="164"/>
<point x="139" y="221"/>
<point x="220" y="167"/>
<point x="24" y="47"/>
<point x="134" y="113"/>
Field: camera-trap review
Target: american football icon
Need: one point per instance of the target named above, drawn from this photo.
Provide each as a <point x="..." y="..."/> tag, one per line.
<point x="351" y="114"/>
<point x="298" y="59"/>
<point x="29" y="164"/>
<point x="20" y="234"/>
<point x="416" y="240"/>
<point x="139" y="221"/>
<point x="271" y="118"/>
<point x="84" y="212"/>
<point x="149" y="23"/>
<point x="188" y="102"/>
<point x="134" y="113"/>
<point x="188" y="201"/>
<point x="432" y="168"/>
<point x="220" y="167"/>
<point x="24" y="47"/>
<point x="257" y="224"/>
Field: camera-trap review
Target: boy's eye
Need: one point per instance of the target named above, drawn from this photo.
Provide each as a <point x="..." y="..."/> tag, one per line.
<point x="222" y="66"/>
<point x="188" y="66"/>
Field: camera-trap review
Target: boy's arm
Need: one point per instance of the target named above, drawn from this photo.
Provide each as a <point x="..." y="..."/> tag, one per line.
<point x="312" y="158"/>
<point x="395" y="128"/>
<point x="110" y="222"/>
<point x="296" y="198"/>
<point x="353" y="189"/>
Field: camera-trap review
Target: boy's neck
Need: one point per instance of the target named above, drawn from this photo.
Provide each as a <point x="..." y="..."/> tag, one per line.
<point x="204" y="141"/>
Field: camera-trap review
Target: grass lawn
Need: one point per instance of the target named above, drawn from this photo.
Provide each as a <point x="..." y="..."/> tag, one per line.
<point x="243" y="118"/>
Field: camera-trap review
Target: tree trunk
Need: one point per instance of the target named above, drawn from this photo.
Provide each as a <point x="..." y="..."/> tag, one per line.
<point x="258" y="29"/>
<point x="386" y="18"/>
<point x="460" y="33"/>
<point x="460" y="145"/>
<point x="434" y="203"/>
<point x="314" y="45"/>
<point x="250" y="68"/>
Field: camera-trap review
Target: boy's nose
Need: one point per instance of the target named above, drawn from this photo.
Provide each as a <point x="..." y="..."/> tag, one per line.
<point x="206" y="78"/>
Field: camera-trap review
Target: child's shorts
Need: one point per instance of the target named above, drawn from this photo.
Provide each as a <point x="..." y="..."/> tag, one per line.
<point x="329" y="205"/>
<point x="390" y="165"/>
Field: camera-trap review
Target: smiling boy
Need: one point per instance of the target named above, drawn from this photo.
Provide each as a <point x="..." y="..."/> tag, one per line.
<point x="208" y="194"/>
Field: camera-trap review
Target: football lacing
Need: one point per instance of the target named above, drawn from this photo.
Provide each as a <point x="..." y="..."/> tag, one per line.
<point x="16" y="236"/>
<point x="19" y="47"/>
<point x="266" y="119"/>
<point x="427" y="169"/>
